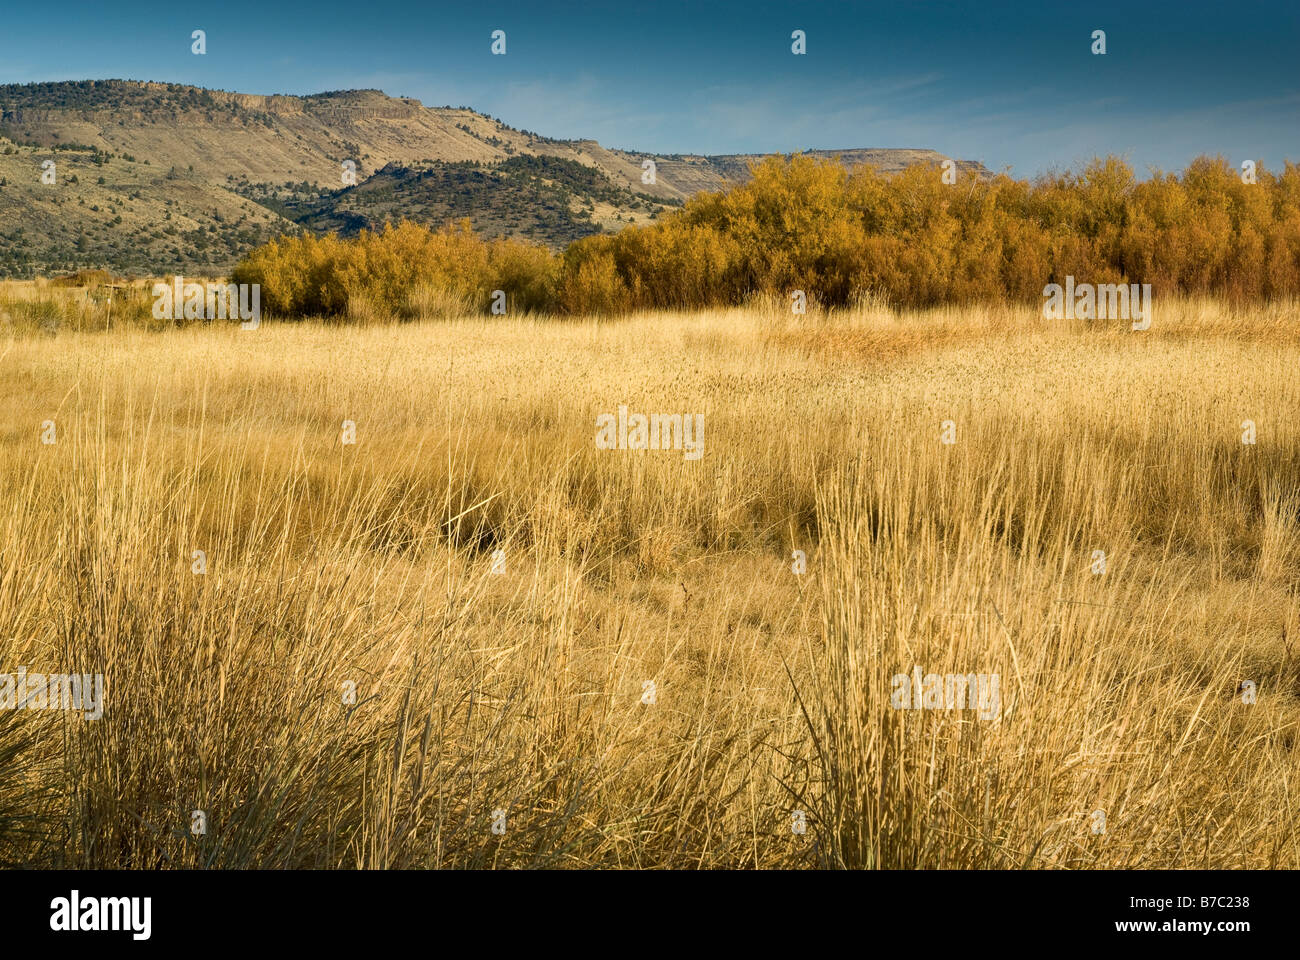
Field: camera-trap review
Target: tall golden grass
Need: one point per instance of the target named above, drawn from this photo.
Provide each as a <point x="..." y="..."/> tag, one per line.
<point x="371" y="563"/>
<point x="43" y="306"/>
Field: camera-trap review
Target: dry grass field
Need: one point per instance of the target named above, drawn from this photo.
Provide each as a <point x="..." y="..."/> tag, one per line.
<point x="525" y="690"/>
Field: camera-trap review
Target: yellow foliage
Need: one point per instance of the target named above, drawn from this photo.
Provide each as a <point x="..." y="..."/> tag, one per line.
<point x="806" y="224"/>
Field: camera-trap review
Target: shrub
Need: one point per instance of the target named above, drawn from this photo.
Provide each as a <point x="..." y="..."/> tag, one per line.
<point x="808" y="224"/>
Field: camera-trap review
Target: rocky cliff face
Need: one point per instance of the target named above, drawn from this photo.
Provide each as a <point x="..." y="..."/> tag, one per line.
<point x="308" y="137"/>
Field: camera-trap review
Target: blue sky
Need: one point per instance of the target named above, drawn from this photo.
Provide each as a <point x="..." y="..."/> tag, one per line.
<point x="1012" y="84"/>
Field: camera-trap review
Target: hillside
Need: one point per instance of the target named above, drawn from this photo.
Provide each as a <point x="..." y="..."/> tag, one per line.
<point x="162" y="177"/>
<point x="539" y="197"/>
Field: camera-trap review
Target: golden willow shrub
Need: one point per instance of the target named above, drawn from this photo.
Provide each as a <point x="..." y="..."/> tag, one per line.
<point x="328" y="276"/>
<point x="812" y="225"/>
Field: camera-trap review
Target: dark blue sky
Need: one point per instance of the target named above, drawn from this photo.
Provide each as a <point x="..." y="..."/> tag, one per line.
<point x="1011" y="84"/>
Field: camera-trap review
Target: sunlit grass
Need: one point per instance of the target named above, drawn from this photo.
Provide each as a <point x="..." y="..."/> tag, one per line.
<point x="371" y="564"/>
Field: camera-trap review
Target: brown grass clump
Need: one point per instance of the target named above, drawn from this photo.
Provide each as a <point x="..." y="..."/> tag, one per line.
<point x="29" y="307"/>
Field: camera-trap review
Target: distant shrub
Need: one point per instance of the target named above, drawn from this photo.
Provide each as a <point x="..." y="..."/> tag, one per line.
<point x="299" y="276"/>
<point x="915" y="241"/>
<point x="402" y="271"/>
<point x="811" y="225"/>
<point x="83" y="278"/>
<point x="55" y="307"/>
<point x="526" y="272"/>
<point x="591" y="283"/>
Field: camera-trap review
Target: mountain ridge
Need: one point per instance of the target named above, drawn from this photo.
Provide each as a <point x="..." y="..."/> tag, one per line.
<point x="194" y="177"/>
